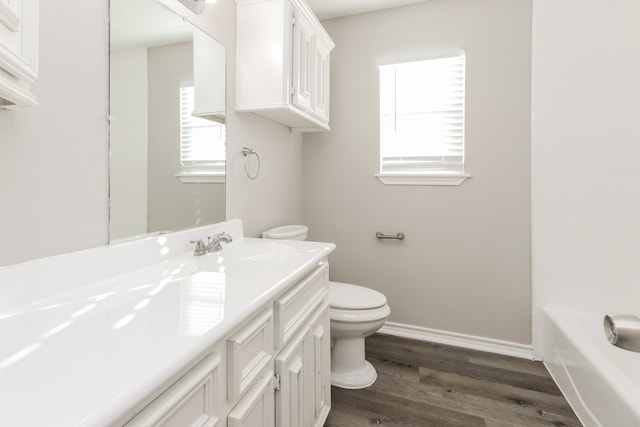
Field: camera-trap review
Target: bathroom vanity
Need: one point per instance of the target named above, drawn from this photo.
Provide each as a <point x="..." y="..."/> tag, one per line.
<point x="145" y="333"/>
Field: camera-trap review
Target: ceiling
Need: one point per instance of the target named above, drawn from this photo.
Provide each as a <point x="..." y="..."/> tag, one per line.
<point x="158" y="27"/>
<point x="325" y="9"/>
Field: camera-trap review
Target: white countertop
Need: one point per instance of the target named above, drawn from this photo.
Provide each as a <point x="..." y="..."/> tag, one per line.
<point x="87" y="355"/>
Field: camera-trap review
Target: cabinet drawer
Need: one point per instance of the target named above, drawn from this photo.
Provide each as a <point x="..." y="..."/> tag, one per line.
<point x="292" y="308"/>
<point x="256" y="408"/>
<point x="189" y="402"/>
<point x="249" y="351"/>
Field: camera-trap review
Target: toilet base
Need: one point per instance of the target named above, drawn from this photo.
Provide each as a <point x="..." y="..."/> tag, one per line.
<point x="349" y="369"/>
<point x="362" y="378"/>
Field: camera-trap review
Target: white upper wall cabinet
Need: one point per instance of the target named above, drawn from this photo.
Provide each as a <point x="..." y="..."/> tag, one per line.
<point x="18" y="52"/>
<point x="282" y="55"/>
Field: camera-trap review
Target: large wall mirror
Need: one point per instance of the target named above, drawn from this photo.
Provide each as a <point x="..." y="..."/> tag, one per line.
<point x="167" y="95"/>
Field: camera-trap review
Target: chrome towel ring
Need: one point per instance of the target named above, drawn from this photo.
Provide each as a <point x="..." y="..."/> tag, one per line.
<point x="247" y="153"/>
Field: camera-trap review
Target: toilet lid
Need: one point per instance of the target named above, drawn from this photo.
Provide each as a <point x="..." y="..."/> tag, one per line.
<point x="351" y="297"/>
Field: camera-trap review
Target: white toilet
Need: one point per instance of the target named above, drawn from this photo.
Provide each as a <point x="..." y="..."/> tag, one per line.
<point x="356" y="312"/>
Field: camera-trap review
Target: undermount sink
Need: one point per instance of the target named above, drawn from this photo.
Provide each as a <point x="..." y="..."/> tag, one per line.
<point x="256" y="255"/>
<point x="258" y="252"/>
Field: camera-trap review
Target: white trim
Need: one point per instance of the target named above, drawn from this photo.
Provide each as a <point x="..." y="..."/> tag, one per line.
<point x="491" y="345"/>
<point x="414" y="56"/>
<point x="422" y="179"/>
<point x="201" y="177"/>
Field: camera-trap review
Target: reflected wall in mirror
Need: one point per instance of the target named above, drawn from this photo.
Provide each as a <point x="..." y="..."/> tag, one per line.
<point x="167" y="111"/>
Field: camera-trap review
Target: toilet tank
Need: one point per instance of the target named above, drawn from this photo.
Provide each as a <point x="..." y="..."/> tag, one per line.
<point x="288" y="232"/>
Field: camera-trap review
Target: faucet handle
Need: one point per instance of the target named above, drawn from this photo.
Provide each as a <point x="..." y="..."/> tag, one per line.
<point x="200" y="247"/>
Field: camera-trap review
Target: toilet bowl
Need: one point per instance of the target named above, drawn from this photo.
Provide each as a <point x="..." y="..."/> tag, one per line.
<point x="355" y="313"/>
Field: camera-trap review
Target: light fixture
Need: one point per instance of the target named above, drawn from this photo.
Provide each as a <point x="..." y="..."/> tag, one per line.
<point x="196" y="6"/>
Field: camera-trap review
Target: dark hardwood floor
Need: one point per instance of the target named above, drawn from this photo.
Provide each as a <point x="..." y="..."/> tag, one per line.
<point x="423" y="384"/>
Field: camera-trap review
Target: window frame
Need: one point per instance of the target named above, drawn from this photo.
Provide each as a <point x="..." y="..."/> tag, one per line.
<point x="426" y="176"/>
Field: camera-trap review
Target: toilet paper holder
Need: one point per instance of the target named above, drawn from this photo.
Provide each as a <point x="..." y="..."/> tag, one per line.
<point x="623" y="330"/>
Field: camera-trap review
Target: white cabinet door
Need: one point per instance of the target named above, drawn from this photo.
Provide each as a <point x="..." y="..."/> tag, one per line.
<point x="320" y="353"/>
<point x="303" y="63"/>
<point x="322" y="84"/>
<point x="291" y="399"/>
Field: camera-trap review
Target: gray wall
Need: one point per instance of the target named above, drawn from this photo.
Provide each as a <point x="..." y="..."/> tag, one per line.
<point x="465" y="264"/>
<point x="54" y="158"/>
<point x="129" y="151"/>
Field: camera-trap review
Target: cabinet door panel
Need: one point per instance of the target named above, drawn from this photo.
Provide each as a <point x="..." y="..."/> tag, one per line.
<point x="303" y="63"/>
<point x="322" y="82"/>
<point x="291" y="366"/>
<point x="320" y="401"/>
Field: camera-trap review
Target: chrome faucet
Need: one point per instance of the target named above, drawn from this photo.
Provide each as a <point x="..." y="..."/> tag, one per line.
<point x="213" y="244"/>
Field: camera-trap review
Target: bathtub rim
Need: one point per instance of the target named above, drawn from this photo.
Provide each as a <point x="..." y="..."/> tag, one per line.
<point x="575" y="344"/>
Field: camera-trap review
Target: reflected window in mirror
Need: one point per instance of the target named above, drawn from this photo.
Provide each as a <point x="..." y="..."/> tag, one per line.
<point x="202" y="142"/>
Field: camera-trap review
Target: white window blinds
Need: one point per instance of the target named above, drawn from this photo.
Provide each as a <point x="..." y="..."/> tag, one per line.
<point x="422" y="117"/>
<point x="202" y="142"/>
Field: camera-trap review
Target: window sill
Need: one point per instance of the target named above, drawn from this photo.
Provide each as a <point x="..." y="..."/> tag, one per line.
<point x="423" y="179"/>
<point x="201" y="178"/>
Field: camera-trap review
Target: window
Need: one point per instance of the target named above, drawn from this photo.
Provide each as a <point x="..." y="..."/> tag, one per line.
<point x="422" y="122"/>
<point x="202" y="143"/>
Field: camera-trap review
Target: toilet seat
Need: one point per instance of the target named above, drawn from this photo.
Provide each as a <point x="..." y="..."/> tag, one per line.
<point x="345" y="296"/>
<point x="359" y="316"/>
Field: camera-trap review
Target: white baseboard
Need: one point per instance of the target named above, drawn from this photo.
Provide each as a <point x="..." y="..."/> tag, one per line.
<point x="458" y="340"/>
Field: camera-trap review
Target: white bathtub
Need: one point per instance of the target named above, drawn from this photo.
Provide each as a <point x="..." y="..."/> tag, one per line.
<point x="600" y="381"/>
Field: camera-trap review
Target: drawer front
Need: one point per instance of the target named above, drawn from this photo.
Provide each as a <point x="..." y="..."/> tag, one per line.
<point x="257" y="406"/>
<point x="190" y="402"/>
<point x="249" y="352"/>
<point x="292" y="308"/>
